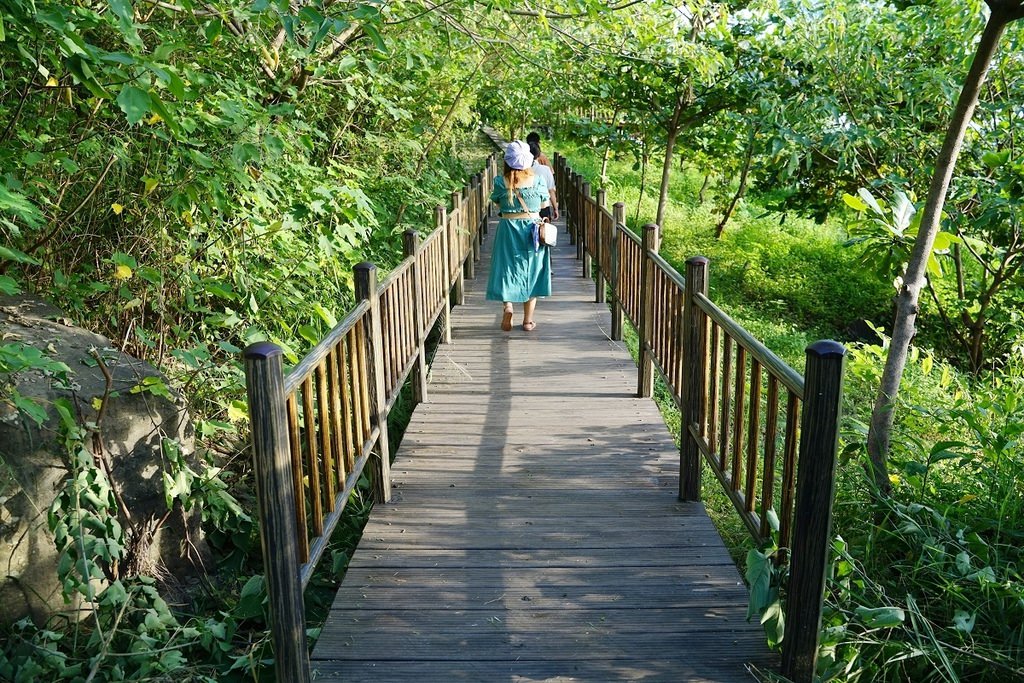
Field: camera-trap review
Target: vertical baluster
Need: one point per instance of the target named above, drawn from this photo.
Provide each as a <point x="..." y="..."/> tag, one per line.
<point x="714" y="370"/>
<point x="323" y="404"/>
<point x="788" y="474"/>
<point x="739" y="409"/>
<point x="298" y="488"/>
<point x="358" y="362"/>
<point x="347" y="411"/>
<point x="313" y="465"/>
<point x="723" y="444"/>
<point x="771" y="434"/>
<point x="753" y="430"/>
<point x="338" y="418"/>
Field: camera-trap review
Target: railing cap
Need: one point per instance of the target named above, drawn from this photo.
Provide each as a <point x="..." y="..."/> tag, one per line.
<point x="697" y="261"/>
<point x="261" y="351"/>
<point x="826" y="348"/>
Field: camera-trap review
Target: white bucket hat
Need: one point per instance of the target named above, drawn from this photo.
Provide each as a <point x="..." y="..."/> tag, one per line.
<point x="518" y="156"/>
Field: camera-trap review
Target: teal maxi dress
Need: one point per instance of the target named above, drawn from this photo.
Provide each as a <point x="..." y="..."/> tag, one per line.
<point x="518" y="271"/>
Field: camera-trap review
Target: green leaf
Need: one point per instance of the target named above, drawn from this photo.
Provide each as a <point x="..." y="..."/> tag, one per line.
<point x="325" y="315"/>
<point x="759" y="576"/>
<point x="9" y="285"/>
<point x="309" y="334"/>
<point x="995" y="159"/>
<point x="19" y="205"/>
<point x="80" y="69"/>
<point x="963" y="563"/>
<point x="29" y="408"/>
<point x="944" y="240"/>
<point x="371" y="31"/>
<point x="161" y="108"/>
<point x="880" y="617"/>
<point x="250" y="602"/>
<point x="11" y="254"/>
<point x="134" y="102"/>
<point x="902" y="211"/>
<point x="870" y="200"/>
<point x="853" y="202"/>
<point x="122" y="259"/>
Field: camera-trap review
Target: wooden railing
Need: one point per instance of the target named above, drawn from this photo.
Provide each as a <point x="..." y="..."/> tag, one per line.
<point x="318" y="429"/>
<point x="768" y="433"/>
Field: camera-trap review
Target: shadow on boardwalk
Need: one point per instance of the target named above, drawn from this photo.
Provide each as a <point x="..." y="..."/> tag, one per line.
<point x="536" y="532"/>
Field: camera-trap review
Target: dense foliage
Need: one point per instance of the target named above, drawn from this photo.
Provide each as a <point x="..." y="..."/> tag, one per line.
<point x="187" y="178"/>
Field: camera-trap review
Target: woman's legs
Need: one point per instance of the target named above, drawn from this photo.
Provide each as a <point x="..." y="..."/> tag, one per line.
<point x="506" y="316"/>
<point x="528" y="308"/>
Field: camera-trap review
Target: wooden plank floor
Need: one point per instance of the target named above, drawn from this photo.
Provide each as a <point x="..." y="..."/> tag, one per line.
<point x="535" y="532"/>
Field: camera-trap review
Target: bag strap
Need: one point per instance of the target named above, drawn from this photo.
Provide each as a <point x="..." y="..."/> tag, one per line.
<point x="522" y="201"/>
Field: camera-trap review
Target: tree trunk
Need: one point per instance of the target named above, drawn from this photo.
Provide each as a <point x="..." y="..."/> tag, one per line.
<point x="604" y="165"/>
<point x="701" y="196"/>
<point x="666" y="169"/>
<point x="643" y="176"/>
<point x="740" y="191"/>
<point x="880" y="430"/>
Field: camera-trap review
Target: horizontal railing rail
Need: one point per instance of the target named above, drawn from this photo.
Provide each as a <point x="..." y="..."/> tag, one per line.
<point x="317" y="430"/>
<point x="767" y="433"/>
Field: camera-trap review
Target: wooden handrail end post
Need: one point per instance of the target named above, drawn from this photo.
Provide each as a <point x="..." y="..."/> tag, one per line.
<point x="264" y="381"/>
<point x="695" y="369"/>
<point x="645" y="379"/>
<point x="815" y="492"/>
<point x="582" y="241"/>
<point x="618" y="218"/>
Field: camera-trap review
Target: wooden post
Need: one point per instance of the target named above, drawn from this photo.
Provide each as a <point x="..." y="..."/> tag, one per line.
<point x="618" y="218"/>
<point x="599" y="245"/>
<point x="695" y="370"/>
<point x="583" y="242"/>
<point x="559" y="182"/>
<point x="410" y="244"/>
<point x="645" y="377"/>
<point x="815" y="492"/>
<point x="572" y="225"/>
<point x="279" y="532"/>
<point x="466" y="219"/>
<point x="476" y="204"/>
<point x="440" y="219"/>
<point x="366" y="288"/>
<point x="455" y="240"/>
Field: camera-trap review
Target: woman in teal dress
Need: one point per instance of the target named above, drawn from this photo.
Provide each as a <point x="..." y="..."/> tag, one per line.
<point x="520" y="267"/>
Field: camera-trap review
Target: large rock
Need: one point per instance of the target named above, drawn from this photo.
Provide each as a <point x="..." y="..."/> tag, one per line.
<point x="33" y="465"/>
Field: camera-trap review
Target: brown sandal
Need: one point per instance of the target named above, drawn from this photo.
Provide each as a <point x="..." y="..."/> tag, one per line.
<point x="506" y="319"/>
<point x="529" y="326"/>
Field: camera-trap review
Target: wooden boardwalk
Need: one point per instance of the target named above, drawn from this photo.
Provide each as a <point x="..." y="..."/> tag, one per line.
<point x="536" y="532"/>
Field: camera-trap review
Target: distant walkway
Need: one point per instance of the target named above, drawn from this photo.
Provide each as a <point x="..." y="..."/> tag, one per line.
<point x="535" y="532"/>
